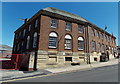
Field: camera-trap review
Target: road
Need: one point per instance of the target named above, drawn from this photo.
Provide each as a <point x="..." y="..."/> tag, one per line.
<point x="103" y="74"/>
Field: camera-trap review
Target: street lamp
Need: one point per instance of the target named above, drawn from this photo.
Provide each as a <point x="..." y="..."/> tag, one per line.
<point x="87" y="45"/>
<point x="104" y="36"/>
<point x="104" y="40"/>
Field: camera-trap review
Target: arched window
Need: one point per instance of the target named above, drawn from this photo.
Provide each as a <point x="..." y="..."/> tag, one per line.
<point x="103" y="36"/>
<point x="98" y="47"/>
<point x="103" y="48"/>
<point x="112" y="50"/>
<point x="110" y="39"/>
<point x="29" y="28"/>
<point x="93" y="46"/>
<point x="14" y="47"/>
<point x="52" y="40"/>
<point x="16" y="36"/>
<point x="80" y="43"/>
<point x="18" y="47"/>
<point x="93" y="32"/>
<point x="28" y="42"/>
<point x="24" y="31"/>
<point x="19" y="34"/>
<point x="97" y="34"/>
<point x="35" y="40"/>
<point x="68" y="42"/>
<point x="36" y="23"/>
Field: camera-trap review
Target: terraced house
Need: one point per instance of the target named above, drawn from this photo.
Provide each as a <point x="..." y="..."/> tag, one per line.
<point x="53" y="37"/>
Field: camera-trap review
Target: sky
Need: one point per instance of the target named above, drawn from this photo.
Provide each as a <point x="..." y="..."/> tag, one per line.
<point x="99" y="13"/>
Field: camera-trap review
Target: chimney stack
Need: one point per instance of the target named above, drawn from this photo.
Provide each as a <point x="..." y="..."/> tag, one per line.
<point x="25" y="20"/>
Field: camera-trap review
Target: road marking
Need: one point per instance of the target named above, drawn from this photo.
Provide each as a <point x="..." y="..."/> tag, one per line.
<point x="42" y="75"/>
<point x="25" y="78"/>
<point x="46" y="75"/>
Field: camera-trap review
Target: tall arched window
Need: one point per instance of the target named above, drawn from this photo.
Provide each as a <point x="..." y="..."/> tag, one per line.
<point x="97" y="34"/>
<point x="35" y="40"/>
<point x="68" y="42"/>
<point x="14" y="47"/>
<point x="112" y="50"/>
<point x="93" y="46"/>
<point x="52" y="40"/>
<point x="18" y="46"/>
<point x="99" y="47"/>
<point x="80" y="43"/>
<point x="28" y="42"/>
<point x="24" y="31"/>
<point x="29" y="28"/>
<point x="103" y="48"/>
<point x="93" y="32"/>
<point x="36" y="23"/>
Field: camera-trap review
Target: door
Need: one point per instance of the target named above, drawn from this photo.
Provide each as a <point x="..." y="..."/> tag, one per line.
<point x="32" y="60"/>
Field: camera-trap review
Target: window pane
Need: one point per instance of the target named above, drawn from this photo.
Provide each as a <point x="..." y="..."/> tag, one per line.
<point x="68" y="44"/>
<point x="98" y="47"/>
<point x="35" y="40"/>
<point x="29" y="27"/>
<point x="93" y="46"/>
<point x="80" y="45"/>
<point x="36" y="23"/>
<point x="97" y="34"/>
<point x="103" y="48"/>
<point x="14" y="48"/>
<point x="54" y="23"/>
<point x="52" y="42"/>
<point x="24" y="32"/>
<point x="68" y="26"/>
<point x="28" y="42"/>
<point x="80" y="29"/>
<point x="93" y="32"/>
<point x="20" y="34"/>
<point x="18" y="47"/>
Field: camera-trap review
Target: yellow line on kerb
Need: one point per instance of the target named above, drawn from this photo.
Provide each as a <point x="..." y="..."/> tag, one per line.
<point x="26" y="78"/>
<point x="42" y="75"/>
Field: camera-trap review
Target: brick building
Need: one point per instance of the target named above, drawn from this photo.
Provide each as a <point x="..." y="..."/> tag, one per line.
<point x="5" y="51"/>
<point x="53" y="37"/>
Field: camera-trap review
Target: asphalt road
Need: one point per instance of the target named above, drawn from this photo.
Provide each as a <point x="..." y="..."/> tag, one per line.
<point x="104" y="74"/>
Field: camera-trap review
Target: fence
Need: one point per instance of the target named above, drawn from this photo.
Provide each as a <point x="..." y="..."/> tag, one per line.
<point x="17" y="62"/>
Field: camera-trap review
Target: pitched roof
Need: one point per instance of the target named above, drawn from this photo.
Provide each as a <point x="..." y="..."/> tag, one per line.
<point x="64" y="13"/>
<point x="5" y="47"/>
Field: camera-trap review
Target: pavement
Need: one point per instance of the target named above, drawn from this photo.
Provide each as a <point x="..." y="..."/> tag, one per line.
<point x="15" y="74"/>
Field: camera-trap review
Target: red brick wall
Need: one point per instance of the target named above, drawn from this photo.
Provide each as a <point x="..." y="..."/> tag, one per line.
<point x="45" y="29"/>
<point x="99" y="40"/>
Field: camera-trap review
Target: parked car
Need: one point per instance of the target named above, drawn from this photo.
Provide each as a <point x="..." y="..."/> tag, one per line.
<point x="103" y="57"/>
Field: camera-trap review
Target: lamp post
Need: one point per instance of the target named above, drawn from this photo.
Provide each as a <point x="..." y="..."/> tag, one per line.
<point x="104" y="39"/>
<point x="87" y="45"/>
